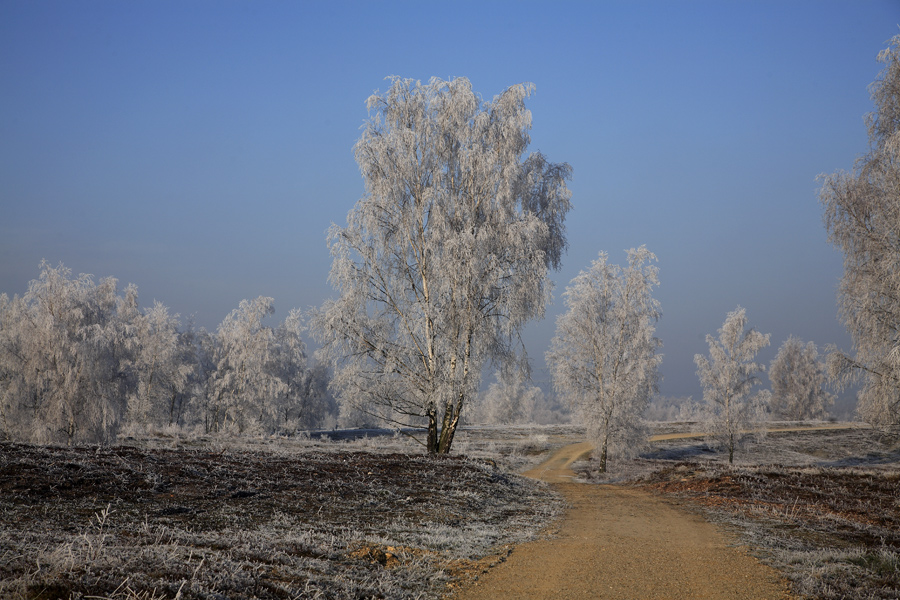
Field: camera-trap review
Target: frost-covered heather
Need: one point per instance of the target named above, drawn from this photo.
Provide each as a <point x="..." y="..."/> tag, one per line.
<point x="821" y="506"/>
<point x="281" y="518"/>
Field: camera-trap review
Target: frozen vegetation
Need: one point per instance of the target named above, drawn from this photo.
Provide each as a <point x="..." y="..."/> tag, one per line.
<point x="604" y="356"/>
<point x="861" y="211"/>
<point x="141" y="458"/>
<point x="821" y="506"/>
<point x="366" y="514"/>
<point x="216" y="517"/>
<point x="80" y="362"/>
<point x="446" y="256"/>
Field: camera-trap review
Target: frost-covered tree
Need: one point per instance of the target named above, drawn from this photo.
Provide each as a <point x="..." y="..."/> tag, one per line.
<point x="729" y="377"/>
<point x="205" y="402"/>
<point x="160" y="366"/>
<point x="445" y="257"/>
<point x="245" y="387"/>
<point x="259" y="376"/>
<point x="798" y="382"/>
<point x="78" y="360"/>
<point x="669" y="409"/>
<point x="185" y="406"/>
<point x="66" y="354"/>
<point x="18" y="389"/>
<point x="511" y="399"/>
<point x="862" y="216"/>
<point x="304" y="400"/>
<point x="603" y="357"/>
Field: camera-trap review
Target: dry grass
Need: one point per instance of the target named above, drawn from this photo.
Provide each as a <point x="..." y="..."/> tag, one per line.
<point x="364" y="514"/>
<point x="288" y="519"/>
<point x="822" y="506"/>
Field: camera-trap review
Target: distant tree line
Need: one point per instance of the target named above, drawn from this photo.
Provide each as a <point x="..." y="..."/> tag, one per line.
<point x="80" y="360"/>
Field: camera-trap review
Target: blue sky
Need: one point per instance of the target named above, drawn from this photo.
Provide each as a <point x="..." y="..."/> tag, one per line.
<point x="201" y="149"/>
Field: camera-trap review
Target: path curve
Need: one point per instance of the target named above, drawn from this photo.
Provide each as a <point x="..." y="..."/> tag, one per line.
<point x="617" y="543"/>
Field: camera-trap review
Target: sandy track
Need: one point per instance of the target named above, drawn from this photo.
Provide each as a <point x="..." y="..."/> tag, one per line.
<point x="684" y="436"/>
<point x="617" y="543"/>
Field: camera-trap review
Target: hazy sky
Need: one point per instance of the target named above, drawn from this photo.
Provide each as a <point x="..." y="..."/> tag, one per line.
<point x="201" y="149"/>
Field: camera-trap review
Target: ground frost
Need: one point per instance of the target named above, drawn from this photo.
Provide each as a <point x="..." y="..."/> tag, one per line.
<point x="126" y="523"/>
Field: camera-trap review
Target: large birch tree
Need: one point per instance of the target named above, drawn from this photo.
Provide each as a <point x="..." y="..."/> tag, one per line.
<point x="603" y="357"/>
<point x="445" y="257"/>
<point x="862" y="216"/>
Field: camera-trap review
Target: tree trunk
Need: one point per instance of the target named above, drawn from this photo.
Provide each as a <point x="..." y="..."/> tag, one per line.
<point x="172" y="408"/>
<point x="603" y="453"/>
<point x="731" y="448"/>
<point x="432" y="443"/>
<point x="448" y="430"/>
<point x="441" y="440"/>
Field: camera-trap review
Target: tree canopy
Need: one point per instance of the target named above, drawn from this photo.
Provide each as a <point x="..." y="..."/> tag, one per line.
<point x="446" y="255"/>
<point x="862" y="216"/>
<point x="603" y="357"/>
<point x="729" y="377"/>
<point x="79" y="361"/>
<point x="798" y="382"/>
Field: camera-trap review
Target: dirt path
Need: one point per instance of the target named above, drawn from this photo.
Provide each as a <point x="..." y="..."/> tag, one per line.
<point x="683" y="436"/>
<point x="619" y="543"/>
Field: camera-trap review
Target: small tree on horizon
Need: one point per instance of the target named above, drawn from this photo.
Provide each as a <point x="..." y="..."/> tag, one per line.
<point x="603" y="357"/>
<point x="798" y="382"/>
<point x="728" y="377"/>
<point x="511" y="399"/>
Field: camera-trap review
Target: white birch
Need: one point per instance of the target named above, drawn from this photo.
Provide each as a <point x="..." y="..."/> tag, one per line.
<point x="445" y="257"/>
<point x="798" y="382"/>
<point x="604" y="357"/>
<point x="729" y="377"/>
<point x="161" y="368"/>
<point x="260" y="379"/>
<point x="245" y="389"/>
<point x="78" y="360"/>
<point x="511" y="399"/>
<point x="66" y="348"/>
<point x="862" y="216"/>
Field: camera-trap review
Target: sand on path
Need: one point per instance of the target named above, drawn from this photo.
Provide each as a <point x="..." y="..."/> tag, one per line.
<point x="617" y="542"/>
